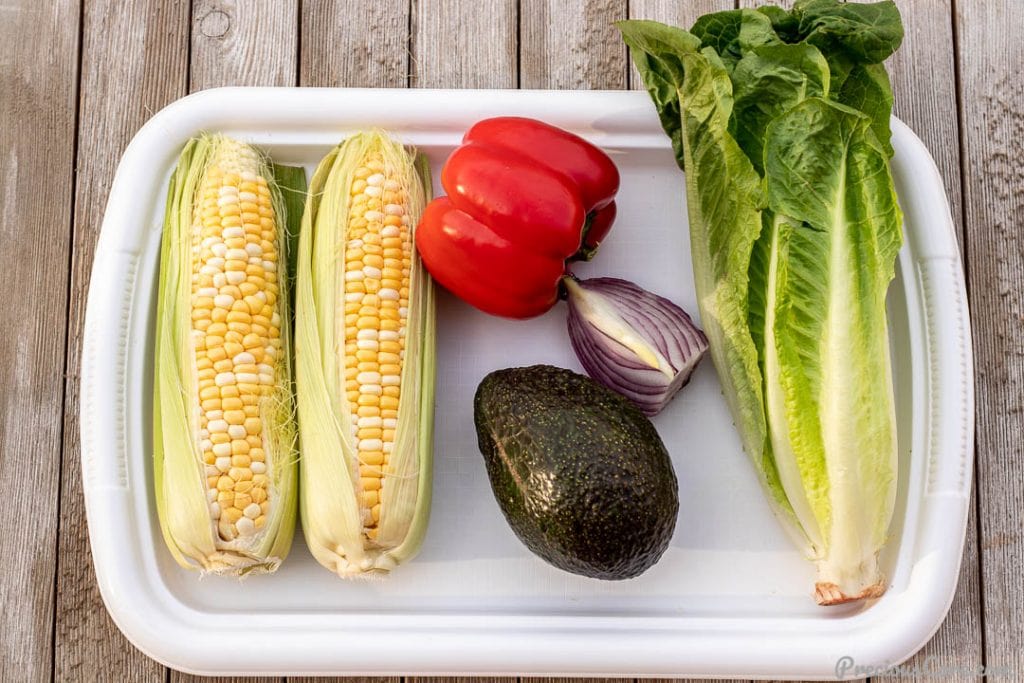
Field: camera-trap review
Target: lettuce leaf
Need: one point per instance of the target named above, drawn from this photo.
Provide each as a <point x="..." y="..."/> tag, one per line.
<point x="780" y="121"/>
<point x="725" y="222"/>
<point x="830" y="405"/>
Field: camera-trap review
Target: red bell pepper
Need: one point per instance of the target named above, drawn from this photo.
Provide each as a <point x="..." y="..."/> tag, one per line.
<point x="523" y="198"/>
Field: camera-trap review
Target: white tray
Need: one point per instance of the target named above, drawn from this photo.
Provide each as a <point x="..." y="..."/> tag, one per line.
<point x="731" y="597"/>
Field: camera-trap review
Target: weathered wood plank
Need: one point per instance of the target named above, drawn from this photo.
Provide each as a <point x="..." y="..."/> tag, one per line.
<point x="571" y="45"/>
<point x="37" y="107"/>
<point x="674" y="13"/>
<point x="134" y="61"/>
<point x="355" y="45"/>
<point x="241" y="44"/>
<point x="989" y="55"/>
<point x="464" y="44"/>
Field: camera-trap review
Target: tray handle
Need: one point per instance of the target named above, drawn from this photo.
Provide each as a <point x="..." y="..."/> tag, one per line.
<point x="950" y="392"/>
<point x="107" y="320"/>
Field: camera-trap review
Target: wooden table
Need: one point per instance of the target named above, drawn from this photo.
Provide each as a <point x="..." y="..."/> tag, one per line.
<point x="77" y="79"/>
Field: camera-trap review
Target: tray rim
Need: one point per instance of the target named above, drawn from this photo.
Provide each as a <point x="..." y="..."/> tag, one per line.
<point x="568" y="644"/>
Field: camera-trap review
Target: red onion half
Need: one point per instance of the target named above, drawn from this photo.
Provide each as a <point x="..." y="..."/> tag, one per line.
<point x="632" y="341"/>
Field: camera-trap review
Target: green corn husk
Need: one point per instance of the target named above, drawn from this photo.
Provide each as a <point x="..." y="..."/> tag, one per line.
<point x="334" y="521"/>
<point x="184" y="505"/>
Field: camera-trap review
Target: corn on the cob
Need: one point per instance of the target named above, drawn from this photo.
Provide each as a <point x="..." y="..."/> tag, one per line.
<point x="365" y="360"/>
<point x="224" y="437"/>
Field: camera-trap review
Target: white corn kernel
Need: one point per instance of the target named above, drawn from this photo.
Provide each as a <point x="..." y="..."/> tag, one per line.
<point x="388" y="294"/>
<point x="233" y="231"/>
<point x="222" y="449"/>
<point x="388" y="335"/>
<point x="224" y="378"/>
<point x="390" y="422"/>
<point x="368" y="378"/>
<point x="390" y="380"/>
<point x="237" y="432"/>
<point x="367" y="334"/>
<point x="370" y="444"/>
<point x="367" y="344"/>
<point x="244" y="358"/>
<point x="258" y="467"/>
<point x="216" y="426"/>
<point x="245" y="526"/>
<point x="223" y="463"/>
<point x="371" y="272"/>
<point x="252" y="510"/>
<point x="235" y="277"/>
<point x="223" y="301"/>
<point x="369" y="422"/>
<point x="390" y="231"/>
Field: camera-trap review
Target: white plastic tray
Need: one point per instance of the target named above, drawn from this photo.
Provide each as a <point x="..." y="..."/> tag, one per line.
<point x="731" y="597"/>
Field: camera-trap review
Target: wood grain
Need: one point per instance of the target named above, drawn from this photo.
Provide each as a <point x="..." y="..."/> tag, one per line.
<point x="244" y="44"/>
<point x="133" y="63"/>
<point x="464" y="44"/>
<point x="37" y="107"/>
<point x="355" y="45"/>
<point x="134" y="59"/>
<point x="989" y="55"/>
<point x="571" y="46"/>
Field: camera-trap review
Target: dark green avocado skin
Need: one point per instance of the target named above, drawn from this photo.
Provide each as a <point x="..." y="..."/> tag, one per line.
<point x="580" y="473"/>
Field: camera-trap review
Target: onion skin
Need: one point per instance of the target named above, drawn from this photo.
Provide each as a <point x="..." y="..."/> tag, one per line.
<point x="632" y="341"/>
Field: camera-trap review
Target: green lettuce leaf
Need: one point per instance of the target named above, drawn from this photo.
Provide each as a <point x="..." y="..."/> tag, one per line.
<point x="769" y="80"/>
<point x="849" y="33"/>
<point x="828" y="381"/>
<point x="725" y="201"/>
<point x="658" y="52"/>
<point x="733" y="32"/>
<point x="868" y="90"/>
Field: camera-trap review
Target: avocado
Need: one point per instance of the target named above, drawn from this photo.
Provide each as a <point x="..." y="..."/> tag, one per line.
<point x="579" y="472"/>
